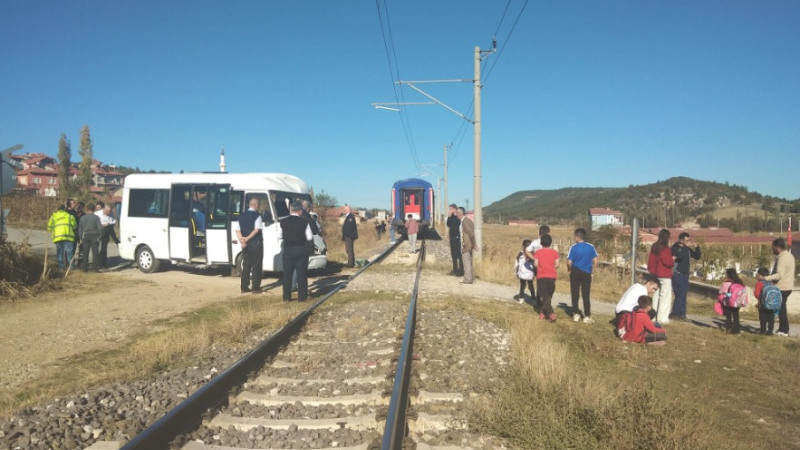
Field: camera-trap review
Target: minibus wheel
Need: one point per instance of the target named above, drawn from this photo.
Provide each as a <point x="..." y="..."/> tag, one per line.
<point x="237" y="266"/>
<point x="146" y="260"/>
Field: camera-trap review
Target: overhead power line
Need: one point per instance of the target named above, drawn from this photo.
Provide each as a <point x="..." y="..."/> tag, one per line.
<point x="394" y="74"/>
<point x="506" y="40"/>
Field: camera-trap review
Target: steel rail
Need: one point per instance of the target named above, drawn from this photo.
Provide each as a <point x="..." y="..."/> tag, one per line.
<point x="395" y="429"/>
<point x="187" y="415"/>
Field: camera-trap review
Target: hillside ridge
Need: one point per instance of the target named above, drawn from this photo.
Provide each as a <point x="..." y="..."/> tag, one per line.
<point x="675" y="200"/>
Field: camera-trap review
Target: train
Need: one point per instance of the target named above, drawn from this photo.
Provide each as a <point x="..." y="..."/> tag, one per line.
<point x="413" y="196"/>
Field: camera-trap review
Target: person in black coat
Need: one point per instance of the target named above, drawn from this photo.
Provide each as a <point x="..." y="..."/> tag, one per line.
<point x="296" y="234"/>
<point x="453" y="225"/>
<point x="349" y="235"/>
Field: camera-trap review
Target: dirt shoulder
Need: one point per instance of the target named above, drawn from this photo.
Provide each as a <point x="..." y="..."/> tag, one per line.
<point x="102" y="312"/>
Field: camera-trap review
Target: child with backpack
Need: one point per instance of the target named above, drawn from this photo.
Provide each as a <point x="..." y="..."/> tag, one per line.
<point x="525" y="272"/>
<point x="733" y="295"/>
<point x="769" y="303"/>
<point x="636" y="326"/>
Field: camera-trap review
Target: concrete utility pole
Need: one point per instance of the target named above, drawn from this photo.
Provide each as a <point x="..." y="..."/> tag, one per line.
<point x="476" y="186"/>
<point x="438" y="214"/>
<point x="446" y="203"/>
<point x="477" y="145"/>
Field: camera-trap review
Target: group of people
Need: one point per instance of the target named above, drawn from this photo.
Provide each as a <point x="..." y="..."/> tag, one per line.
<point x="668" y="272"/>
<point x="771" y="293"/>
<point x="296" y="231"/>
<point x="537" y="260"/>
<point x="76" y="226"/>
<point x="461" y="231"/>
<point x="670" y="265"/>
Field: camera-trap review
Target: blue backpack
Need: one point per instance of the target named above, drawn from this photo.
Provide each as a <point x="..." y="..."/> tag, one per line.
<point x="771" y="297"/>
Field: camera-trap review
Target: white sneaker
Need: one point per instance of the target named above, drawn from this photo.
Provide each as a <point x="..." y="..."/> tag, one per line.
<point x="576" y="317"/>
<point x="782" y="334"/>
<point x="588" y="319"/>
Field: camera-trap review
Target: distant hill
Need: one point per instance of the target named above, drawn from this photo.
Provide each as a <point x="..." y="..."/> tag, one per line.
<point x="681" y="199"/>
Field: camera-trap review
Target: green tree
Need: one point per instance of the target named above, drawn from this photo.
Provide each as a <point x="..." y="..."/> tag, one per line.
<point x="85" y="166"/>
<point x="324" y="200"/>
<point x="64" y="165"/>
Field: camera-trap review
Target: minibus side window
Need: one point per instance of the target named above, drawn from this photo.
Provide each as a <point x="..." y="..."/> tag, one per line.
<point x="180" y="211"/>
<point x="218" y="207"/>
<point x="263" y="206"/>
<point x="148" y="203"/>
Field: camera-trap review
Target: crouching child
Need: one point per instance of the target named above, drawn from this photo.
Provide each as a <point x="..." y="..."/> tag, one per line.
<point x="636" y="326"/>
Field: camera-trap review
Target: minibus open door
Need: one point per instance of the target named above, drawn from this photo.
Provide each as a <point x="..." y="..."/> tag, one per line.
<point x="199" y="223"/>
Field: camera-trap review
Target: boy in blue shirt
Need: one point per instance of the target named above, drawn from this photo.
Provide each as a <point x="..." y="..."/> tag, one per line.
<point x="581" y="264"/>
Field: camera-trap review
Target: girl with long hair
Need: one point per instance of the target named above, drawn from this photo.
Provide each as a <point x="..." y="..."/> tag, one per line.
<point x="659" y="264"/>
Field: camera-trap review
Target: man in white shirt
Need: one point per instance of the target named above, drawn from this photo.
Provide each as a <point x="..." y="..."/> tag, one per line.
<point x="630" y="299"/>
<point x="108" y="222"/>
<point x="537" y="243"/>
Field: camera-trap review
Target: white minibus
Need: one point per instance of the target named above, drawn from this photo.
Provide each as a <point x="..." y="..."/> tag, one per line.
<point x="192" y="218"/>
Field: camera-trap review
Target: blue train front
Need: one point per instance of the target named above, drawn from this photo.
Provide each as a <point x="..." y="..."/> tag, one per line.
<point x="412" y="196"/>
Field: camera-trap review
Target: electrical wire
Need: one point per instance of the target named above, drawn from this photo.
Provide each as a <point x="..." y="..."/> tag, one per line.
<point x="505" y="41"/>
<point x="461" y="132"/>
<point x="394" y="73"/>
<point x="505" y="11"/>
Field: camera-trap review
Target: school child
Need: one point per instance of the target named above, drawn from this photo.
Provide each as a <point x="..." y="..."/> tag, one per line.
<point x="733" y="295"/>
<point x="636" y="326"/>
<point x="546" y="261"/>
<point x="525" y="271"/>
<point x="769" y="303"/>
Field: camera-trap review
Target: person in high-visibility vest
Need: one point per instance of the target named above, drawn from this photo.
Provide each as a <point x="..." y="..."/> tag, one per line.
<point x="62" y="227"/>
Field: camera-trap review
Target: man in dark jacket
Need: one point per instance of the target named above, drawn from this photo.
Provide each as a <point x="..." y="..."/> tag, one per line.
<point x="296" y="234"/>
<point x="680" y="277"/>
<point x="453" y="225"/>
<point x="349" y="235"/>
<point x="89" y="232"/>
<point x="306" y="214"/>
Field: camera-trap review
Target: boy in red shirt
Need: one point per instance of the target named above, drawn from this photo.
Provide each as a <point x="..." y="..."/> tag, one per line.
<point x="640" y="328"/>
<point x="546" y="261"/>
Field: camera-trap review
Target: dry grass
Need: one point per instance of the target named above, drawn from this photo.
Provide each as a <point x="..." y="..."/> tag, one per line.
<point x="576" y="386"/>
<point x="22" y="274"/>
<point x="185" y="337"/>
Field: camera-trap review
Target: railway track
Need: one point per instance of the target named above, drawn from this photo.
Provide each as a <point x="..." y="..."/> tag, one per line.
<point x="347" y="376"/>
<point x="337" y="379"/>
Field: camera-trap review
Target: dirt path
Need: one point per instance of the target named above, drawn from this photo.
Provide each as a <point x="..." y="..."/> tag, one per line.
<point x="38" y="332"/>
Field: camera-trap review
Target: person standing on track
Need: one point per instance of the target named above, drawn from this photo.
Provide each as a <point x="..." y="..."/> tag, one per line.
<point x="453" y="228"/>
<point x="252" y="242"/>
<point x="680" y="277"/>
<point x="412" y="228"/>
<point x="296" y="234"/>
<point x="467" y="245"/>
<point x="581" y="264"/>
<point x="349" y="235"/>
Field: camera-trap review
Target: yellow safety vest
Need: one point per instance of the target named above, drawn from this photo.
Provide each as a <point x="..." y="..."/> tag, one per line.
<point x="61" y="226"/>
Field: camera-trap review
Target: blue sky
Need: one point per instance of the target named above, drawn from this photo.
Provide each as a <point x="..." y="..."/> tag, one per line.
<point x="582" y="93"/>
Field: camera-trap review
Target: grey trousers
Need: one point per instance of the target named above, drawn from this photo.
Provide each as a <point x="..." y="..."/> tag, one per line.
<point x="469" y="273"/>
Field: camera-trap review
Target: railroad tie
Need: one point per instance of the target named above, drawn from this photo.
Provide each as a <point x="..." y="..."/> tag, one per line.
<point x="374" y="398"/>
<point x="361" y="423"/>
